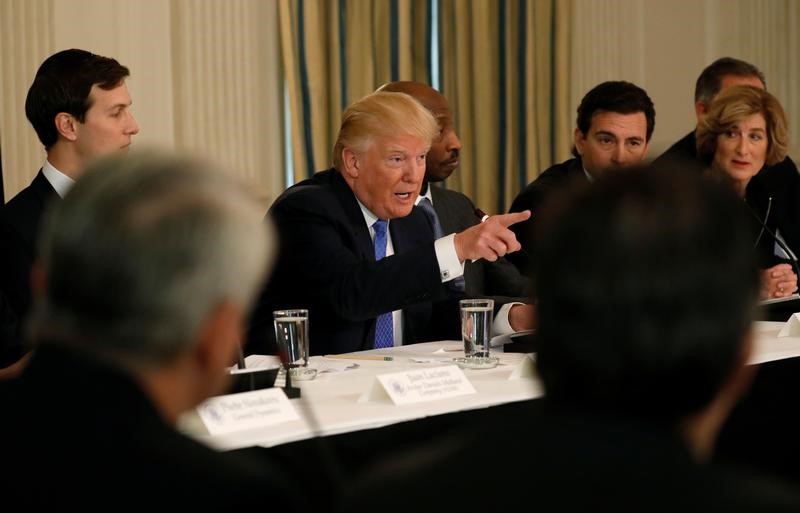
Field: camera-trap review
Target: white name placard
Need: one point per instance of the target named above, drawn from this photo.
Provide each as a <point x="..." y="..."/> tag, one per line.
<point x="237" y="412"/>
<point x="421" y="385"/>
<point x="792" y="327"/>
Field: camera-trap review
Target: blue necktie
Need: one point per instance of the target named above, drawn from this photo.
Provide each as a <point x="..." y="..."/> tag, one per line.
<point x="433" y="218"/>
<point x="384" y="331"/>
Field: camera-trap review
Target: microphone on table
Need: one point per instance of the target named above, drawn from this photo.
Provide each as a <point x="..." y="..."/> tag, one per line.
<point x="764" y="228"/>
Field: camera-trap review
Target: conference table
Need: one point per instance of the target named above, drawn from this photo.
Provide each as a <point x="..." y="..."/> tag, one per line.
<point x="342" y="399"/>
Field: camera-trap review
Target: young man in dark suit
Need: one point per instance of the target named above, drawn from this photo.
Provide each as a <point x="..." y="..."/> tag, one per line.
<point x="614" y="125"/>
<point x="454" y="211"/>
<point x="148" y="269"/>
<point x="79" y="106"/>
<point x="356" y="252"/>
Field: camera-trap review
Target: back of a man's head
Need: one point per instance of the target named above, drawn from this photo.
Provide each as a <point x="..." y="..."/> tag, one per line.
<point x="140" y="252"/>
<point x="709" y="83"/>
<point x="646" y="290"/>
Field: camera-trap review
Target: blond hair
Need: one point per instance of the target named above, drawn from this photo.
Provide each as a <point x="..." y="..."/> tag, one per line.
<point x="734" y="104"/>
<point x="382" y="114"/>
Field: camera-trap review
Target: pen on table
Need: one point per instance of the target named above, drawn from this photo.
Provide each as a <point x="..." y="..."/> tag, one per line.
<point x="360" y="357"/>
<point x="483" y="216"/>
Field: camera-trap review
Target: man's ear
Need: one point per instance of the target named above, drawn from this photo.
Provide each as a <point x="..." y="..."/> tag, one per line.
<point x="66" y="125"/>
<point x="578" y="139"/>
<point x="350" y="163"/>
<point x="700" y="109"/>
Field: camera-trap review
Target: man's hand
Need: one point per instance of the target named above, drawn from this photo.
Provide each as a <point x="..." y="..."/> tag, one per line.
<point x="778" y="281"/>
<point x="522" y="317"/>
<point x="490" y="239"/>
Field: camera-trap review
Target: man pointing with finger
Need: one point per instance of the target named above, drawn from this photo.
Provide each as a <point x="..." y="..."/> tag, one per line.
<point x="356" y="252"/>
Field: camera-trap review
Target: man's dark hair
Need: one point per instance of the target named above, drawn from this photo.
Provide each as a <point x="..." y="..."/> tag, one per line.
<point x="63" y="83"/>
<point x="616" y="96"/>
<point x="646" y="283"/>
<point x="710" y="80"/>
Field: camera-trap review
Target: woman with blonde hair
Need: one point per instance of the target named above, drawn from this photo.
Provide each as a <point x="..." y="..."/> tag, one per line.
<point x="742" y="135"/>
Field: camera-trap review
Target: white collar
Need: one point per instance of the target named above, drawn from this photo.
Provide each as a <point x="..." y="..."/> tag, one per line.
<point x="426" y="195"/>
<point x="60" y="182"/>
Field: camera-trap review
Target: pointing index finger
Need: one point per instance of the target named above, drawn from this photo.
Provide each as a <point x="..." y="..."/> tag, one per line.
<point x="513" y="218"/>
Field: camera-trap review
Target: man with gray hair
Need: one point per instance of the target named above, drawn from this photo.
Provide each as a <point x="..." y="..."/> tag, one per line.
<point x="148" y="268"/>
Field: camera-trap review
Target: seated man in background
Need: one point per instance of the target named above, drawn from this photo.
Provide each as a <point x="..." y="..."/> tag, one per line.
<point x="356" y="252"/>
<point x="79" y="106"/>
<point x="646" y="291"/>
<point x="148" y="268"/>
<point x="614" y="125"/>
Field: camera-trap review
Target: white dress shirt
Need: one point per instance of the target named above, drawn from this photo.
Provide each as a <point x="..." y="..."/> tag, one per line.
<point x="60" y="182"/>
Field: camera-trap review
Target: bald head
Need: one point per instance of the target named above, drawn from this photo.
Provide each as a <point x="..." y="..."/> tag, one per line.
<point x="443" y="157"/>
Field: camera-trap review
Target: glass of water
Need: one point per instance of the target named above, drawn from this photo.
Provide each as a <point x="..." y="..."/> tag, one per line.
<point x="476" y="332"/>
<point x="291" y="335"/>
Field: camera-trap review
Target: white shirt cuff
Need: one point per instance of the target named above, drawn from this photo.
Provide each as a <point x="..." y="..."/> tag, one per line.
<point x="449" y="266"/>
<point x="501" y="326"/>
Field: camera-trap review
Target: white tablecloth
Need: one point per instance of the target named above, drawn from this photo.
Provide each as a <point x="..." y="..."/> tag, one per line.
<point x="333" y="397"/>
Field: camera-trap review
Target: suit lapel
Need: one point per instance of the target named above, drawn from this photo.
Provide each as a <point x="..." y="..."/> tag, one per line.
<point x="353" y="214"/>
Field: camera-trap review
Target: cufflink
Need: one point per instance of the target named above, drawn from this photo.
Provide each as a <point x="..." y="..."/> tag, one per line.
<point x="445" y="274"/>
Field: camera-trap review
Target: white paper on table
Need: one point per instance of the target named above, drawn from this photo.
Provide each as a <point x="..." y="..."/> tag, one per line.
<point x="259" y="361"/>
<point x="450" y="348"/>
<point x="430" y="360"/>
<point x="323" y="365"/>
<point x="792" y="327"/>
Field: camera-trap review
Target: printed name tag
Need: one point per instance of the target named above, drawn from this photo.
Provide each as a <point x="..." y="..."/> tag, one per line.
<point x="237" y="412"/>
<point x="420" y="386"/>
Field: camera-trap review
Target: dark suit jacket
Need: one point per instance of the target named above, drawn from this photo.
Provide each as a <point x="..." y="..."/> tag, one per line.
<point x="536" y="198"/>
<point x="326" y="263"/>
<point x="499" y="279"/>
<point x="79" y="435"/>
<point x="552" y="458"/>
<point x="780" y="182"/>
<point x="20" y="220"/>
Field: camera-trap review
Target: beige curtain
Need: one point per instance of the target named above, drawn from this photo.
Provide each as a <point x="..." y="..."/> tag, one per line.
<point x="505" y="72"/>
<point x="503" y="66"/>
<point x="336" y="51"/>
<point x="26" y="39"/>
